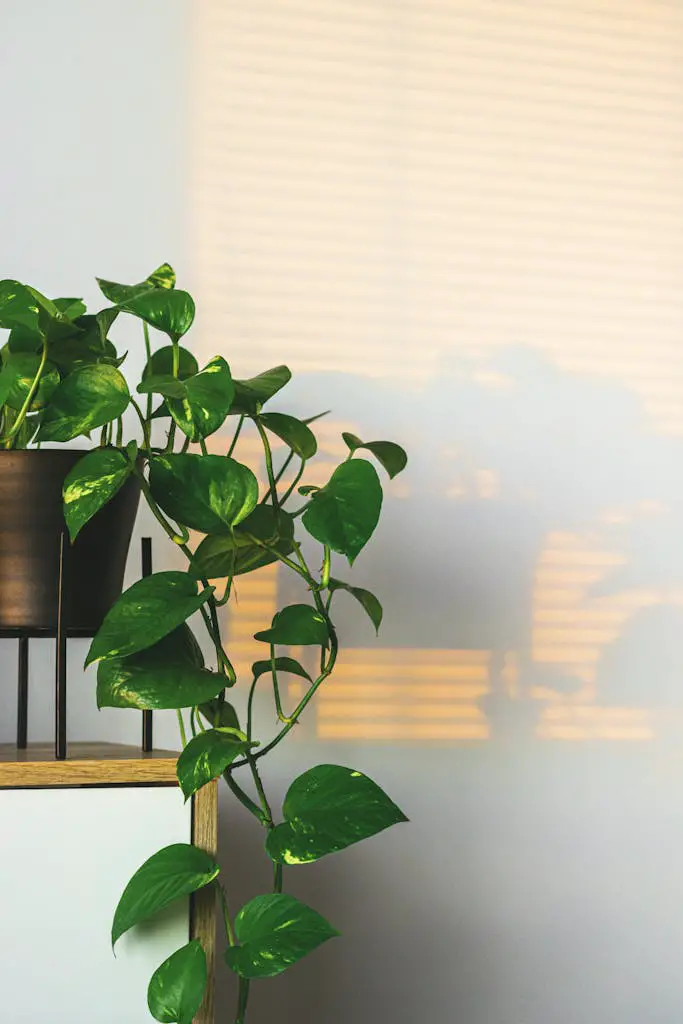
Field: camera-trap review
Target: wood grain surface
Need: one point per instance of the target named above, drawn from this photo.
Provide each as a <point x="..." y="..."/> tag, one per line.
<point x="88" y="764"/>
<point x="203" y="906"/>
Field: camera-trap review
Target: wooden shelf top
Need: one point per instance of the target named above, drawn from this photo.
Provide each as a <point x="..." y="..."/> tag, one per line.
<point x="88" y="764"/>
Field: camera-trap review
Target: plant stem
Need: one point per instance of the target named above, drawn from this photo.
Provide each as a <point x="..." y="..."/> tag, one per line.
<point x="148" y="354"/>
<point x="119" y="432"/>
<point x="276" y="688"/>
<point x="23" y="412"/>
<point x="250" y="708"/>
<point x="230" y="935"/>
<point x="277" y="877"/>
<point x="300" y="708"/>
<point x="146" y="439"/>
<point x="181" y="726"/>
<point x="243" y="797"/>
<point x="295" y="481"/>
<point x="237" y="434"/>
<point x="269" y="461"/>
<point x="242" y="999"/>
<point x="267" y="816"/>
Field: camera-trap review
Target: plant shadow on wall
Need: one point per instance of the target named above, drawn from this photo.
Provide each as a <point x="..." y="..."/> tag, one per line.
<point x="548" y="605"/>
<point x="61" y="379"/>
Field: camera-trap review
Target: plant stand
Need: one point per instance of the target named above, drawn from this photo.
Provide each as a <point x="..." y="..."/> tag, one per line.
<point x="61" y="636"/>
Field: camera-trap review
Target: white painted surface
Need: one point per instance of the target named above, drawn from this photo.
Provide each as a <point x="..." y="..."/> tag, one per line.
<point x="461" y="223"/>
<point x="67" y="855"/>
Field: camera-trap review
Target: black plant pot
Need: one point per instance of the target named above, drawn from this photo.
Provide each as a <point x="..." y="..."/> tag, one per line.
<point x="31" y="526"/>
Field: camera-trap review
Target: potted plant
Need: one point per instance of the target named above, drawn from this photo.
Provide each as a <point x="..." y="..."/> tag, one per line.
<point x="65" y="369"/>
<point x="59" y="381"/>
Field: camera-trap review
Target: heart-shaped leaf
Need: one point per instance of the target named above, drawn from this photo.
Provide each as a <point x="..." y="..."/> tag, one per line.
<point x="206" y="757"/>
<point x="238" y="552"/>
<point x="83" y="343"/>
<point x="92" y="482"/>
<point x="207" y="400"/>
<point x="298" y="624"/>
<point x="175" y="871"/>
<point x="24" y="368"/>
<point x="220" y="713"/>
<point x="24" y="339"/>
<point x="388" y="454"/>
<point x="168" y="309"/>
<point x="160" y="363"/>
<point x="162" y="277"/>
<point x="145" y="613"/>
<point x="162" y="384"/>
<point x="88" y="398"/>
<point x="274" y="931"/>
<point x="344" y="513"/>
<point x="251" y="394"/>
<point x="18" y="306"/>
<point x="327" y="809"/>
<point x="365" y="598"/>
<point x="209" y="493"/>
<point x="70" y="308"/>
<point x="299" y="437"/>
<point x="168" y="675"/>
<point x="176" y="990"/>
<point x="260" y="668"/>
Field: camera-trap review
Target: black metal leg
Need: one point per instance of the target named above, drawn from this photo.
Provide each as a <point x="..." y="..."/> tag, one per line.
<point x="147" y="721"/>
<point x="60" y="655"/>
<point x="22" y="694"/>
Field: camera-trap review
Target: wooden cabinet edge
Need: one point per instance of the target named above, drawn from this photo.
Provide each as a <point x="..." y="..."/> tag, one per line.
<point x="203" y="903"/>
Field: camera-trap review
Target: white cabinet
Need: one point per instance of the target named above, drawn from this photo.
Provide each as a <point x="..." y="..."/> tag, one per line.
<point x="67" y="854"/>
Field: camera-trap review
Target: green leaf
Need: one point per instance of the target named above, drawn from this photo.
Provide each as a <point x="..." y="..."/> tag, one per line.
<point x="207" y="400"/>
<point x="220" y="713"/>
<point x="209" y="493"/>
<point x="168" y="675"/>
<point x="18" y="306"/>
<point x="160" y="363"/>
<point x="207" y="756"/>
<point x="344" y="513"/>
<point x="169" y="310"/>
<point x="24" y="368"/>
<point x="162" y="277"/>
<point x="70" y="308"/>
<point x="23" y="339"/>
<point x="92" y="482"/>
<point x="176" y="990"/>
<point x="308" y="489"/>
<point x="260" y="668"/>
<point x="388" y="454"/>
<point x="327" y="809"/>
<point x="175" y="871"/>
<point x="365" y="597"/>
<point x="251" y="394"/>
<point x="297" y="624"/>
<point x="7" y="378"/>
<point x="275" y="931"/>
<point x="81" y="343"/>
<point x="145" y="613"/>
<point x="231" y="554"/>
<point x="293" y="432"/>
<point x="88" y="398"/>
<point x="162" y="384"/>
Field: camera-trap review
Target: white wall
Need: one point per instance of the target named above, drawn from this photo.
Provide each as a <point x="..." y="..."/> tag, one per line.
<point x="460" y="223"/>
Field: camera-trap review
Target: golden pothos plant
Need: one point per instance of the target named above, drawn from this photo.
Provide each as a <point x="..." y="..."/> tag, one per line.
<point x="61" y="378"/>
